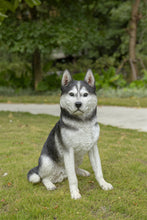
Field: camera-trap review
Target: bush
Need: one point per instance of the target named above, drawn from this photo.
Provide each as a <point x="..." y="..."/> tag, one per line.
<point x="15" y="74"/>
<point x="79" y="76"/>
<point x="9" y="78"/>
<point x="107" y="79"/>
<point x="142" y="83"/>
<point x="49" y="82"/>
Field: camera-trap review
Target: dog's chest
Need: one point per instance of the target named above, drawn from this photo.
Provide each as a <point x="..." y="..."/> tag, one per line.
<point x="83" y="138"/>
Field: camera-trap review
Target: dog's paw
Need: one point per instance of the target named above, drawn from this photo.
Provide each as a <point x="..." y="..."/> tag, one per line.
<point x="51" y="187"/>
<point x="48" y="184"/>
<point x="82" y="172"/>
<point x="75" y="194"/>
<point x="104" y="185"/>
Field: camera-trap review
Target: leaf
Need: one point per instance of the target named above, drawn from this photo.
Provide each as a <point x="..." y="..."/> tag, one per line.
<point x="56" y="207"/>
<point x="3" y="15"/>
<point x="9" y="184"/>
<point x="15" y="4"/>
<point x="33" y="3"/>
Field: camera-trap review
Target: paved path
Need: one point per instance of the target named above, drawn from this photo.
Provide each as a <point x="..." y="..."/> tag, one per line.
<point x="132" y="118"/>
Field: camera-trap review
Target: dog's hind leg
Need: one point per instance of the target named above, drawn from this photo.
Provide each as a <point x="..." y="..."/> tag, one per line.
<point x="47" y="172"/>
<point x="82" y="172"/>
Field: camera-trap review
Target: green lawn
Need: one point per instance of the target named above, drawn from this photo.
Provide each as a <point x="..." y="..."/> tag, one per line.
<point x="123" y="154"/>
<point x="54" y="99"/>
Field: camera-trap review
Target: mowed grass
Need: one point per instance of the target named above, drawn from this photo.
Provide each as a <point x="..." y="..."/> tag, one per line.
<point x="123" y="155"/>
<point x="54" y="99"/>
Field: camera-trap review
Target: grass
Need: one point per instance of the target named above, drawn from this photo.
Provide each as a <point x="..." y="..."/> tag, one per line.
<point x="123" y="154"/>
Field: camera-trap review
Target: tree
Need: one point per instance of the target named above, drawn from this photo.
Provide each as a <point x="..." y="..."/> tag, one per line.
<point x="130" y="12"/>
<point x="132" y="41"/>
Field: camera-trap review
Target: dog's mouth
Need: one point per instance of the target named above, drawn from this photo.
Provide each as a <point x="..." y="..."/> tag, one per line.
<point x="78" y="111"/>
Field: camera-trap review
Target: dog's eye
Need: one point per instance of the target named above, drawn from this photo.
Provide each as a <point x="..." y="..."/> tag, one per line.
<point x="85" y="94"/>
<point x="71" y="94"/>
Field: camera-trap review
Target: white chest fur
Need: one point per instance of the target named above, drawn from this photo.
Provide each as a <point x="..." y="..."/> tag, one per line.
<point x="83" y="137"/>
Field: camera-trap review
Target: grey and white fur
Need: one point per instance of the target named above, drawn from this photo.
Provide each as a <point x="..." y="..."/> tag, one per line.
<point x="75" y="134"/>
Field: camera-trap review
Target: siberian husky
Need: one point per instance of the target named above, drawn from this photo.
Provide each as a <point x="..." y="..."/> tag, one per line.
<point x="74" y="135"/>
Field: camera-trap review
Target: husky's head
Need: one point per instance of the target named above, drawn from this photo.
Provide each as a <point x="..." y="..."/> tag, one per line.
<point x="78" y="97"/>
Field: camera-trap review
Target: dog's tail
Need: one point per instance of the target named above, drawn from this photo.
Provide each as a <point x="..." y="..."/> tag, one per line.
<point x="33" y="175"/>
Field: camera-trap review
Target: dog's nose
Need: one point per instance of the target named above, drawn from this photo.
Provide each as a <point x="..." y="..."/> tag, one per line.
<point x="78" y="104"/>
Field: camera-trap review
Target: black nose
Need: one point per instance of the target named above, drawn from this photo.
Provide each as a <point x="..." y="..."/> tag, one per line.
<point x="78" y="104"/>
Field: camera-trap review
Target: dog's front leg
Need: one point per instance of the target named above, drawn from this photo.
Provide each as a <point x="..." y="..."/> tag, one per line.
<point x="70" y="170"/>
<point x="96" y="165"/>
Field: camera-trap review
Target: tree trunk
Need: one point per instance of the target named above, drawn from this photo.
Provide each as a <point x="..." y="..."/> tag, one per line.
<point x="36" y="67"/>
<point x="132" y="41"/>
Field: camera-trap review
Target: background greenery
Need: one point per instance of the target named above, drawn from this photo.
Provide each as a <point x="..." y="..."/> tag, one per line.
<point x="51" y="36"/>
<point x="123" y="155"/>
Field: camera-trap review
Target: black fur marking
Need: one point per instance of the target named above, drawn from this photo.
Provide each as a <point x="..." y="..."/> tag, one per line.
<point x="49" y="147"/>
<point x="58" y="131"/>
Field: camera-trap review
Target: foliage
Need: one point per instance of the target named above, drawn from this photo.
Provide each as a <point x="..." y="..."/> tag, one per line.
<point x="93" y="28"/>
<point x="109" y="79"/>
<point x="94" y="33"/>
<point x="9" y="79"/>
<point x="13" y="76"/>
<point x="105" y="79"/>
<point x="12" y="5"/>
<point x="48" y="27"/>
<point x="142" y="83"/>
<point x="50" y="82"/>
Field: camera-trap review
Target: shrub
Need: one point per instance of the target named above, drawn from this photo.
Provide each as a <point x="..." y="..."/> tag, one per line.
<point x="49" y="82"/>
<point x="79" y="76"/>
<point x="107" y="79"/>
<point x="142" y="83"/>
<point x="9" y="78"/>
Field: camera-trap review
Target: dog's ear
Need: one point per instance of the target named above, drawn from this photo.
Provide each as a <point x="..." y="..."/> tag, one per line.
<point x="66" y="79"/>
<point x="89" y="78"/>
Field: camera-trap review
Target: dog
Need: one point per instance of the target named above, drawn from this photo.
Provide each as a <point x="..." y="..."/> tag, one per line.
<point x="75" y="134"/>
